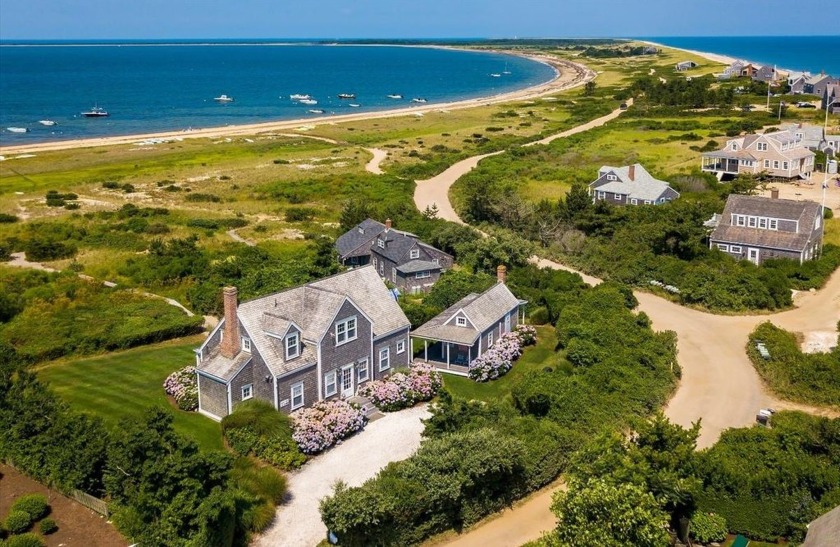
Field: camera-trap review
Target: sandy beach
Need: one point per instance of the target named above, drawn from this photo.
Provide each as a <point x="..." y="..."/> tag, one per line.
<point x="567" y="75"/>
<point x="714" y="57"/>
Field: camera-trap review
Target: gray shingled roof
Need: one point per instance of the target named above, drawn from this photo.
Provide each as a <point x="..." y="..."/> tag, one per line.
<point x="824" y="531"/>
<point x="643" y="185"/>
<point x="418" y="266"/>
<point x="397" y="245"/>
<point x="357" y="241"/>
<point x="312" y="308"/>
<point x="803" y="211"/>
<point x="483" y="310"/>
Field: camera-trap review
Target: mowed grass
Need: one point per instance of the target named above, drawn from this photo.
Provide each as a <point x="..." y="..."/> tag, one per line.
<point x="124" y="384"/>
<point x="534" y="358"/>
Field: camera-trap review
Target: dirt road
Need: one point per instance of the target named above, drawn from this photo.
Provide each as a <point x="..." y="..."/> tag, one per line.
<point x="373" y="166"/>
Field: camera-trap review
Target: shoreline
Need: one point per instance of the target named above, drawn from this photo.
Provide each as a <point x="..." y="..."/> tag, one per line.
<point x="567" y="75"/>
<point x="715" y="57"/>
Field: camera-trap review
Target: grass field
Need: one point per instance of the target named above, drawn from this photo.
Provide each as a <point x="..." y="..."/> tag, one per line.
<point x="122" y="385"/>
<point x="534" y="358"/>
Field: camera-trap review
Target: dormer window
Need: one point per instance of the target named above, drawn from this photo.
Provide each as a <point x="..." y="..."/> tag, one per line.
<point x="761" y="147"/>
<point x="461" y="321"/>
<point x="246" y="344"/>
<point x="380" y="243"/>
<point x="611" y="177"/>
<point x="292" y="346"/>
<point x="415" y="253"/>
<point x="734" y="146"/>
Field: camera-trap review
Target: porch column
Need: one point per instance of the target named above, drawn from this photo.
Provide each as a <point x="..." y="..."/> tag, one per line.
<point x="469" y="355"/>
<point x="426" y="350"/>
<point x="447" y="355"/>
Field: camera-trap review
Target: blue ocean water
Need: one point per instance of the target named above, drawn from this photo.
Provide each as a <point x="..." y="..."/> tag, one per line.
<point x="169" y="87"/>
<point x="804" y="53"/>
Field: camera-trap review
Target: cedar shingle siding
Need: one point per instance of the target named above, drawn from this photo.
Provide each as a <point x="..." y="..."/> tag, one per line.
<point x="212" y="396"/>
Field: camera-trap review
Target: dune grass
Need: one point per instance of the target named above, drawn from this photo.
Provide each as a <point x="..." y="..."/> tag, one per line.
<point x="123" y="384"/>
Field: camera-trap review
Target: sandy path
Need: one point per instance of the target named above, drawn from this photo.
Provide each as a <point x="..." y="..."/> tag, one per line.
<point x="568" y="74"/>
<point x="435" y="191"/>
<point x="373" y="166"/>
<point x="597" y="122"/>
<point x="236" y="237"/>
<point x="392" y="438"/>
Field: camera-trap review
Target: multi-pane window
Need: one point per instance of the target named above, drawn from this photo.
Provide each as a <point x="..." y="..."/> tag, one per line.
<point x="415" y="253"/>
<point x="345" y="331"/>
<point x="330" y="384"/>
<point x="297" y="395"/>
<point x="401" y="346"/>
<point x="461" y="321"/>
<point x="246" y="344"/>
<point x="489" y="339"/>
<point x="247" y="391"/>
<point x="384" y="359"/>
<point x="292" y="346"/>
<point x="423" y="275"/>
<point x="363" y="371"/>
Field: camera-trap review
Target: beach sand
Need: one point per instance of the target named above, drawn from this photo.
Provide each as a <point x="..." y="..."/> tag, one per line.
<point x="714" y="57"/>
<point x="567" y="75"/>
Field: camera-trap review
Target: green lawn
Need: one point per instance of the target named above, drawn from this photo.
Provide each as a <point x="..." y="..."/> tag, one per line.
<point x="123" y="384"/>
<point x="535" y="358"/>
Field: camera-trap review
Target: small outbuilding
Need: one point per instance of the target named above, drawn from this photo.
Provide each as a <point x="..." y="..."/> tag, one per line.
<point x="686" y="65"/>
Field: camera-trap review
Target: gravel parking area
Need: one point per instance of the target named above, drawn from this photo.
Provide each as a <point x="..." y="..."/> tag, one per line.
<point x="392" y="438"/>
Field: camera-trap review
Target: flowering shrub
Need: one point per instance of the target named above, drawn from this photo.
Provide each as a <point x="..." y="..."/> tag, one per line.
<point x="496" y="361"/>
<point x="527" y="335"/>
<point x="324" y="424"/>
<point x="402" y="390"/>
<point x="183" y="387"/>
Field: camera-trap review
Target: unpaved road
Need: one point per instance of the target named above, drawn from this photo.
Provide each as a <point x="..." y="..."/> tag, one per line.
<point x="373" y="166"/>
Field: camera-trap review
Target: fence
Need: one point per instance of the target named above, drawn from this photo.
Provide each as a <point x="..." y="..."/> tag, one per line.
<point x="92" y="503"/>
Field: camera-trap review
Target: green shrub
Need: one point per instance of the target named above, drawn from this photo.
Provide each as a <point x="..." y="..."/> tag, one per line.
<point x="18" y="522"/>
<point x="199" y="197"/>
<point x="34" y="504"/>
<point x="708" y="527"/>
<point x="300" y="214"/>
<point x="539" y="316"/>
<point x="24" y="540"/>
<point x="256" y="428"/>
<point x="128" y="188"/>
<point x="111" y="184"/>
<point x="40" y="249"/>
<point x="47" y="526"/>
<point x="6" y="218"/>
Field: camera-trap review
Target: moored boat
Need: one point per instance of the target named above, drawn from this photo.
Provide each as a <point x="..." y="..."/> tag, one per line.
<point x="48" y="123"/>
<point x="316" y="111"/>
<point x="395" y="96"/>
<point x="419" y="100"/>
<point x="495" y="75"/>
<point x="308" y="101"/>
<point x="223" y="99"/>
<point x="354" y="105"/>
<point x="346" y="95"/>
<point x="299" y="97"/>
<point x="17" y="129"/>
<point x="96" y="112"/>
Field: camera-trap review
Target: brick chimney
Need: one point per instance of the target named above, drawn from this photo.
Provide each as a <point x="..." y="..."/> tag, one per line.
<point x="501" y="273"/>
<point x="231" y="343"/>
<point x="387" y="224"/>
<point x="631" y="172"/>
<point x="774" y="193"/>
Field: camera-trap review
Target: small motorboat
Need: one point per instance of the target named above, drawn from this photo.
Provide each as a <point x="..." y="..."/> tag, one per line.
<point x="316" y="111"/>
<point x="419" y="100"/>
<point x="354" y="105"/>
<point x="48" y="123"/>
<point x="308" y="101"/>
<point x="300" y="97"/>
<point x="346" y="96"/>
<point x="395" y="96"/>
<point x="495" y="75"/>
<point x="95" y="112"/>
<point x="17" y="130"/>
<point x="223" y="99"/>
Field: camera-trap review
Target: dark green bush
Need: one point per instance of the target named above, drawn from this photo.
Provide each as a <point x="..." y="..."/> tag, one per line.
<point x="111" y="185"/>
<point x="24" y="540"/>
<point x="42" y="249"/>
<point x="199" y="197"/>
<point x="18" y="522"/>
<point x="539" y="316"/>
<point x="47" y="526"/>
<point x="6" y="218"/>
<point x="34" y="504"/>
<point x="256" y="428"/>
<point x="708" y="527"/>
<point x="300" y="214"/>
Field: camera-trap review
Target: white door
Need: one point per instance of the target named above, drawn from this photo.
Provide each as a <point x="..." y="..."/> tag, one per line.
<point x="752" y="255"/>
<point x="347" y="381"/>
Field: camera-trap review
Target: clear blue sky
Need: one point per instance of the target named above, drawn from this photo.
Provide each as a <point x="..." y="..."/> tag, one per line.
<point x="68" y="19"/>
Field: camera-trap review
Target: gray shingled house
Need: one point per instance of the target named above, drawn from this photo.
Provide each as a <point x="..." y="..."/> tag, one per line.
<point x="465" y="330"/>
<point x="311" y="343"/>
<point x="757" y="228"/>
<point x="630" y="185"/>
<point x="399" y="257"/>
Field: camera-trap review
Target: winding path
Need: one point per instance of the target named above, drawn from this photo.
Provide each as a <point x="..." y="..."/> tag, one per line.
<point x="373" y="166"/>
<point x="719" y="384"/>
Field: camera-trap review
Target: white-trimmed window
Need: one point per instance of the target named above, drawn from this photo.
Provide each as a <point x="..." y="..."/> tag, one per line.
<point x="292" y="346"/>
<point x="394" y="275"/>
<point x="647" y="202"/>
<point x="634" y="201"/>
<point x="423" y="275"/>
<point x="723" y="247"/>
<point x="740" y="220"/>
<point x="767" y="164"/>
<point x="363" y="371"/>
<point x="382" y="268"/>
<point x="617" y="197"/>
<point x="751" y="222"/>
<point x="345" y="331"/>
<point x="785" y="165"/>
<point x="297" y="395"/>
<point x="612" y="177"/>
<point x="461" y="321"/>
<point x="775" y="164"/>
<point x="247" y="391"/>
<point x="380" y="243"/>
<point x="401" y="346"/>
<point x="330" y="384"/>
<point x="735" y="249"/>
<point x="384" y="359"/>
<point x="762" y="147"/>
<point x="774" y="224"/>
<point x="489" y="338"/>
<point x="602" y="195"/>
<point x="246" y="344"/>
<point x="762" y="223"/>
<point x="415" y="253"/>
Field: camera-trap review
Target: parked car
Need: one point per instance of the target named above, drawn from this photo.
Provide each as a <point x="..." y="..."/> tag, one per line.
<point x="806" y="105"/>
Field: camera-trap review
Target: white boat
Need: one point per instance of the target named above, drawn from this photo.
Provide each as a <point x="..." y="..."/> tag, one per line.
<point x="223" y="99"/>
<point x="506" y="71"/>
<point x="495" y="75"/>
<point x="308" y="101"/>
<point x="17" y="129"/>
<point x="346" y="95"/>
<point x="419" y="100"/>
<point x="95" y="112"/>
<point x="316" y="111"/>
<point x="395" y="96"/>
<point x="299" y="97"/>
<point x="354" y="105"/>
<point x="48" y="123"/>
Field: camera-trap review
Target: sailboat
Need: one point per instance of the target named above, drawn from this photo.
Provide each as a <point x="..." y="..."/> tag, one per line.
<point x="506" y="71"/>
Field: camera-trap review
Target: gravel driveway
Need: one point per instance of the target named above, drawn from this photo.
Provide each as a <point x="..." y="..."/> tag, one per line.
<point x="392" y="438"/>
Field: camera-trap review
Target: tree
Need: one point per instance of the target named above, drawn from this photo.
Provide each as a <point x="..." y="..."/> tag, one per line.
<point x="325" y="262"/>
<point x="599" y="514"/>
<point x="354" y="212"/>
<point x="589" y="89"/>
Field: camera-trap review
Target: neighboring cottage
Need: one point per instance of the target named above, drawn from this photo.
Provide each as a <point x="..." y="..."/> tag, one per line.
<point x="831" y="98"/>
<point x="311" y="343"/>
<point x="815" y="85"/>
<point x="779" y="154"/>
<point x="465" y="330"/>
<point x="768" y="74"/>
<point x="630" y="185"/>
<point x="813" y="137"/>
<point x="685" y="65"/>
<point x="824" y="531"/>
<point x="757" y="228"/>
<point x="399" y="257"/>
<point x="796" y="81"/>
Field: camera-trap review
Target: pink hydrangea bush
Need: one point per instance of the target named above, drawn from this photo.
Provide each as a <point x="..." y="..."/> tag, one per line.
<point x="182" y="385"/>
<point x="527" y="335"/>
<point x="498" y="360"/>
<point x="402" y="390"/>
<point x="324" y="424"/>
